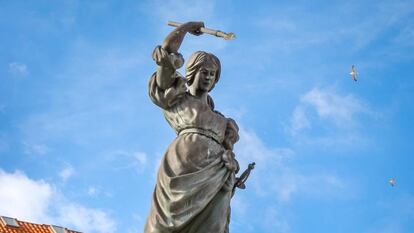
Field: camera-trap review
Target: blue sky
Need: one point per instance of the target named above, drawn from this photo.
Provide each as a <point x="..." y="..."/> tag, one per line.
<point x="80" y="141"/>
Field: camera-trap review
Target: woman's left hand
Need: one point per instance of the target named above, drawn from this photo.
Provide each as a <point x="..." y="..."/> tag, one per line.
<point x="193" y="27"/>
<point x="230" y="162"/>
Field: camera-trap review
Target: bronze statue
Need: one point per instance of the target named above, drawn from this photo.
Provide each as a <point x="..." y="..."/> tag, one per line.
<point x="196" y="177"/>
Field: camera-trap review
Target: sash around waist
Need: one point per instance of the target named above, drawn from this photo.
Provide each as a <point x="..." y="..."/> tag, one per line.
<point x="201" y="131"/>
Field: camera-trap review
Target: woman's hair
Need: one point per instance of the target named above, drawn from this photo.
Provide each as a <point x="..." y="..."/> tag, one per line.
<point x="196" y="61"/>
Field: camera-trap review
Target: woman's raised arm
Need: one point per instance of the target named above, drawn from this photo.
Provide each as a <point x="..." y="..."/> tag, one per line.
<point x="167" y="57"/>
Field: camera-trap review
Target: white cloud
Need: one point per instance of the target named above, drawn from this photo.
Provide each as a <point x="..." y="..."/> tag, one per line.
<point x="335" y="119"/>
<point x="274" y="220"/>
<point x="15" y="201"/>
<point x="16" y="68"/>
<point x="281" y="25"/>
<point x="239" y="206"/>
<point x="140" y="158"/>
<point x="92" y="191"/>
<point x="35" y="149"/>
<point x="137" y="225"/>
<point x="157" y="163"/>
<point x="295" y="28"/>
<point x="274" y="176"/>
<point x="251" y="148"/>
<point x="67" y="172"/>
<point x="330" y="105"/>
<point x="184" y="9"/>
<point x="316" y="185"/>
<point x="397" y="212"/>
<point x="387" y="15"/>
<point x="4" y="145"/>
<point x="86" y="219"/>
<point x="299" y="120"/>
<point x="79" y="112"/>
<point x="405" y="37"/>
<point x="129" y="160"/>
<point x="47" y="205"/>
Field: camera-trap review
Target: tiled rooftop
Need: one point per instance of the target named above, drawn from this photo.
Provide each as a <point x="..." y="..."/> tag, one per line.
<point x="6" y="226"/>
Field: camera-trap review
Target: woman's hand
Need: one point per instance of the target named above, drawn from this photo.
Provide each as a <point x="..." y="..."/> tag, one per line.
<point x="230" y="162"/>
<point x="193" y="28"/>
<point x="173" y="41"/>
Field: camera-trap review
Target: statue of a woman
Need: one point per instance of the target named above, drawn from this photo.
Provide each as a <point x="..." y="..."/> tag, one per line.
<point x="197" y="173"/>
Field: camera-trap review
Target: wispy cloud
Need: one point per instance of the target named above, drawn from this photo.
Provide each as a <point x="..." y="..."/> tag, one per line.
<point x="274" y="173"/>
<point x="48" y="205"/>
<point x="14" y="190"/>
<point x="18" y="69"/>
<point x="97" y="191"/>
<point x="35" y="149"/>
<point x="92" y="191"/>
<point x="4" y="145"/>
<point x="322" y="111"/>
<point x="405" y="37"/>
<point x="299" y="120"/>
<point x="67" y="172"/>
<point x="86" y="219"/>
<point x="2" y="108"/>
<point x="308" y="30"/>
<point x="276" y="180"/>
<point x="79" y="110"/>
<point x="274" y="220"/>
<point x="156" y="165"/>
<point x="397" y="212"/>
<point x="329" y="105"/>
<point x="122" y="160"/>
<point x="184" y="9"/>
<point x="277" y="25"/>
<point x="138" y="220"/>
<point x="318" y="185"/>
<point x="251" y="148"/>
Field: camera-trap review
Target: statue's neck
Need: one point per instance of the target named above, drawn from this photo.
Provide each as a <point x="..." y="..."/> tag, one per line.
<point x="199" y="94"/>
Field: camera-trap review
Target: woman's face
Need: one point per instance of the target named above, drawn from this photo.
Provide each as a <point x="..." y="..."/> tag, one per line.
<point x="205" y="77"/>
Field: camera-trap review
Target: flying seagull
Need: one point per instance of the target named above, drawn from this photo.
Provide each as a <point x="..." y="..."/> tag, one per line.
<point x="392" y="182"/>
<point x="353" y="73"/>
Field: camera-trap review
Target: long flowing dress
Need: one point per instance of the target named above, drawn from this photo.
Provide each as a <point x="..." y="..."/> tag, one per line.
<point x="194" y="187"/>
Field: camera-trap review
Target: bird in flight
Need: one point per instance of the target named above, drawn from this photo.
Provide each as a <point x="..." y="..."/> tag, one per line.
<point x="353" y="73"/>
<point x="392" y="182"/>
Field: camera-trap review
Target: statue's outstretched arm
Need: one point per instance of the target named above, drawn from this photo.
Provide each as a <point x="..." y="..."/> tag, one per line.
<point x="167" y="57"/>
<point x="173" y="41"/>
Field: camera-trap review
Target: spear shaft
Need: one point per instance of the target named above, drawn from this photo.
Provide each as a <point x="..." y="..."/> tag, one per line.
<point x="226" y="36"/>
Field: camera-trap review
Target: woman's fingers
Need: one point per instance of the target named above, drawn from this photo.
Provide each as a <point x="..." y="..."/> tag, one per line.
<point x="194" y="28"/>
<point x="229" y="161"/>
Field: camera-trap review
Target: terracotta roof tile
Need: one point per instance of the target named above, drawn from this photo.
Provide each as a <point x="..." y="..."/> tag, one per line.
<point x="27" y="227"/>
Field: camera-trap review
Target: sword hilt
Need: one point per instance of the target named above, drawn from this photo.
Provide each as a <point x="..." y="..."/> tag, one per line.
<point x="242" y="179"/>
